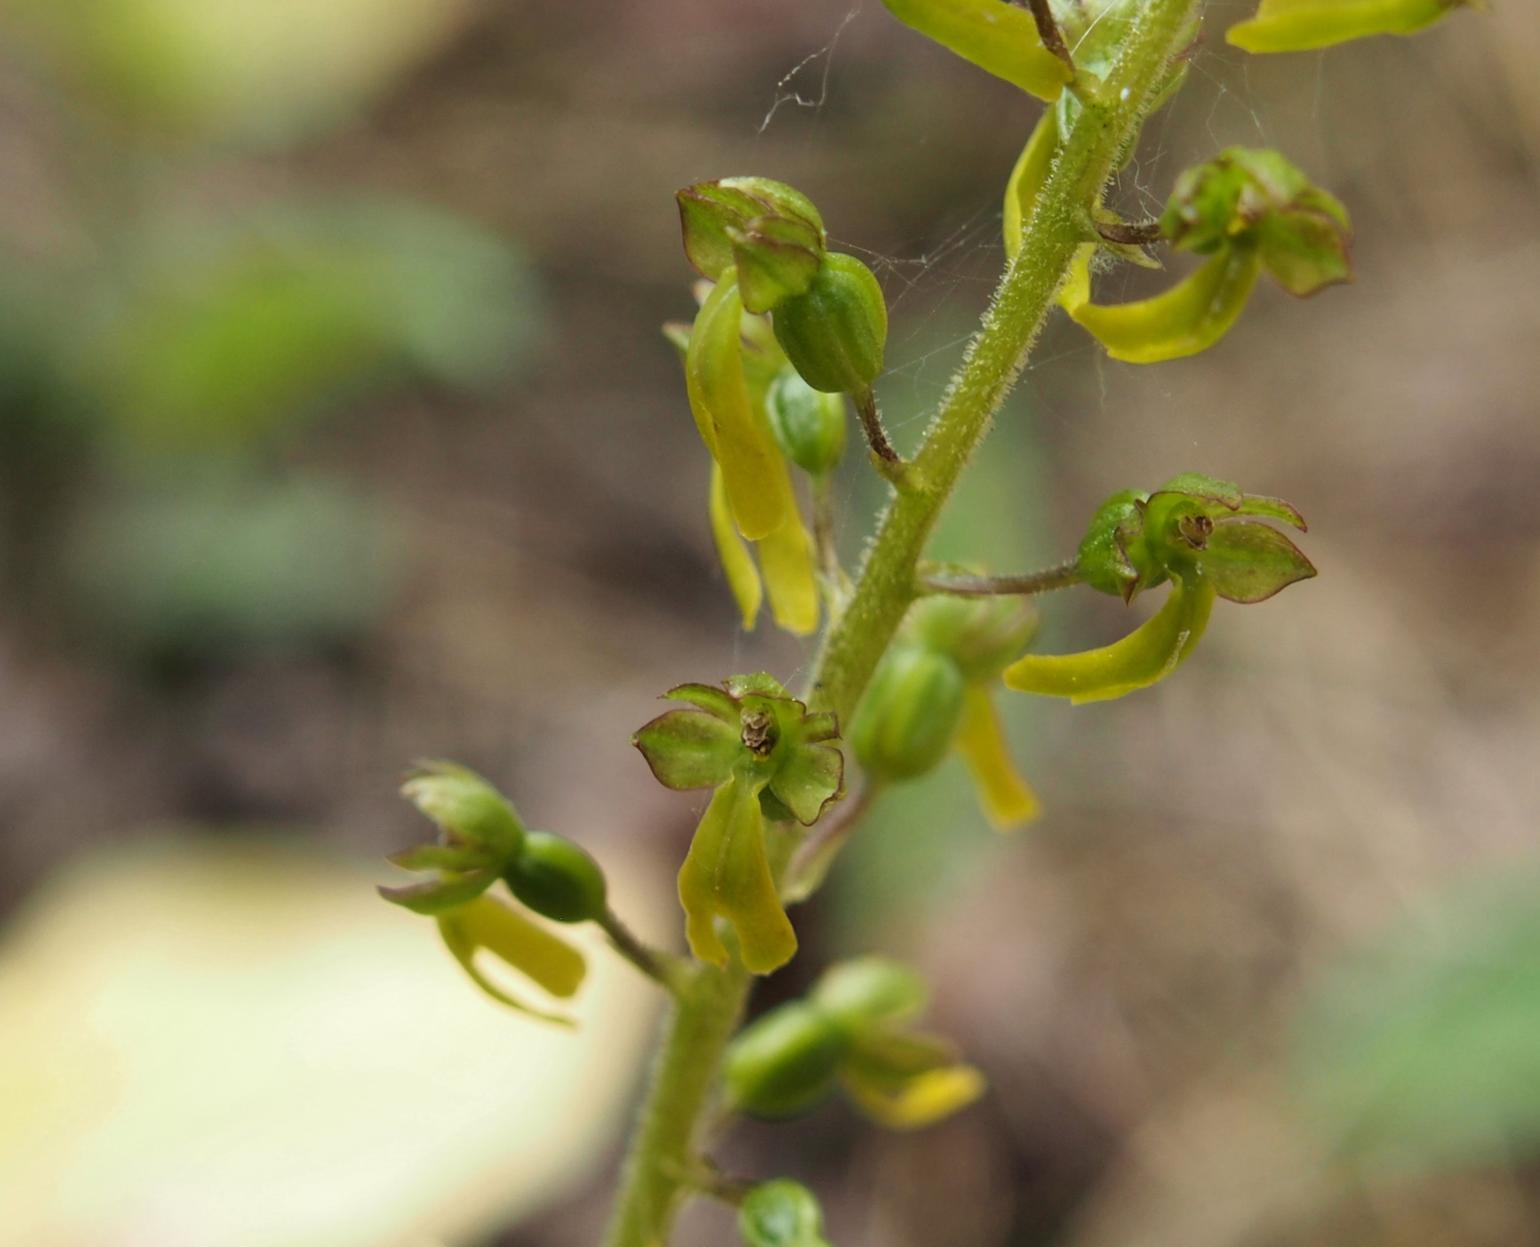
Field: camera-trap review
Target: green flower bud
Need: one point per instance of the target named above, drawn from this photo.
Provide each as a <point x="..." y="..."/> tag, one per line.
<point x="557" y="879"/>
<point x="981" y="635"/>
<point x="467" y="809"/>
<point x="785" y="1062"/>
<point x="908" y="715"/>
<point x="870" y="991"/>
<point x="808" y="424"/>
<point x="835" y="333"/>
<point x="781" y="1213"/>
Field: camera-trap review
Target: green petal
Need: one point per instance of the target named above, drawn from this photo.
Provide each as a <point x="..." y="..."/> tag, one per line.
<point x="753" y="472"/>
<point x="999" y="38"/>
<point x="549" y="961"/>
<point x="708" y="697"/>
<point x="737" y="564"/>
<point x="786" y="560"/>
<point x="1302" y="25"/>
<point x="1027" y="179"/>
<point x="727" y="874"/>
<point x="1248" y="562"/>
<point x="1190" y="317"/>
<point x="689" y="748"/>
<point x="1148" y="654"/>
<point x="809" y="778"/>
<point x="1006" y="798"/>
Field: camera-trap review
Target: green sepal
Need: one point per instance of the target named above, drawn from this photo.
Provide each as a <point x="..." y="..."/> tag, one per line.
<point x="808" y="424"/>
<point x="1304" y="25"/>
<point x="870" y="991"/>
<point x="776" y="257"/>
<point x="1000" y="39"/>
<point x="781" y="1213"/>
<point x="907" y="717"/>
<point x="1272" y="509"/>
<point x="1307" y="249"/>
<point x="546" y="959"/>
<point x="1148" y="654"/>
<point x="1190" y="317"/>
<point x="1248" y="562"/>
<point x="784" y="1063"/>
<point x="907" y="1082"/>
<point x="835" y="333"/>
<point x="709" y="211"/>
<point x="808" y="780"/>
<point x="753" y="472"/>
<point x="1027" y="178"/>
<point x="557" y="879"/>
<point x="464" y="806"/>
<point x="689" y="748"/>
<point x="727" y="874"/>
<point x="447" y="891"/>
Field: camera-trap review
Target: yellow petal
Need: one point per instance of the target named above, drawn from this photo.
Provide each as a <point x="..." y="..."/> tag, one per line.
<point x="786" y="559"/>
<point x="1007" y="799"/>
<point x="919" y="1101"/>
<point x="486" y="923"/>
<point x="1149" y="653"/>
<point x="738" y="566"/>
<point x="727" y="874"/>
<point x="1190" y="317"/>
<point x="754" y="474"/>
<point x="1303" y="25"/>
<point x="1027" y="179"/>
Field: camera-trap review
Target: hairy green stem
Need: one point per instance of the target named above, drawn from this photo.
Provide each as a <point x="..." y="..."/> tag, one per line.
<point x="662" y="1147"/>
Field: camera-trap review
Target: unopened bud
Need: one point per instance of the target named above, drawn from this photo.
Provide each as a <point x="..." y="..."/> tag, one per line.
<point x="785" y="1062"/>
<point x="909" y="714"/>
<point x="465" y="807"/>
<point x="557" y="879"/>
<point x="835" y="333"/>
<point x="808" y="424"/>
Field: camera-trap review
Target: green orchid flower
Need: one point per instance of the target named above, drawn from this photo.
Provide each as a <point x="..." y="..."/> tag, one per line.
<point x="1199" y="533"/>
<point x="1249" y="211"/>
<point x="764" y="755"/>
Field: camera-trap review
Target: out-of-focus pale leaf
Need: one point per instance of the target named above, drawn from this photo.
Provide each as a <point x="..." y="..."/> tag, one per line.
<point x="218" y="564"/>
<point x="224" y="333"/>
<point x="237" y="1045"/>
<point x="1426" y="1050"/>
<point x="263" y="72"/>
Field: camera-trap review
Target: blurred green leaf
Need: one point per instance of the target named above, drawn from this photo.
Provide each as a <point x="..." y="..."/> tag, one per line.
<point x="227" y="332"/>
<point x="264" y="72"/>
<point x="1426" y="1050"/>
<point x="220" y="564"/>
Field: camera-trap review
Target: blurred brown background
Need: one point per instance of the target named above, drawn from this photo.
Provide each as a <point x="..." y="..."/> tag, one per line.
<point x="336" y="431"/>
